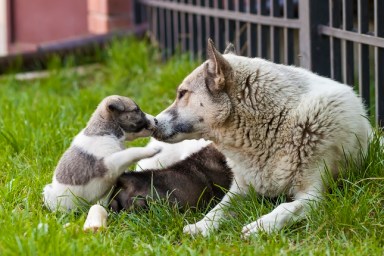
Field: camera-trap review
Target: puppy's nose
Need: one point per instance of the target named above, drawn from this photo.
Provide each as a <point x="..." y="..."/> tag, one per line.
<point x="156" y="122"/>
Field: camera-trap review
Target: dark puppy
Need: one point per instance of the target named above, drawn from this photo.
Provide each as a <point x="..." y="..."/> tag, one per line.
<point x="193" y="182"/>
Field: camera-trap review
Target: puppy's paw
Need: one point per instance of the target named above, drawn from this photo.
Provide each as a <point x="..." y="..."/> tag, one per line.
<point x="96" y="219"/>
<point x="154" y="150"/>
<point x="202" y="227"/>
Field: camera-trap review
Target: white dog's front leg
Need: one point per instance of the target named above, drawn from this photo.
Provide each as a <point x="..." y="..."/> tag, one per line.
<point x="282" y="215"/>
<point x="119" y="161"/>
<point x="211" y="221"/>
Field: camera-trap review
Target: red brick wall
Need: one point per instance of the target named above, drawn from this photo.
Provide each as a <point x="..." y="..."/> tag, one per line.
<point x="37" y="21"/>
<point x="109" y="15"/>
<point x="34" y="22"/>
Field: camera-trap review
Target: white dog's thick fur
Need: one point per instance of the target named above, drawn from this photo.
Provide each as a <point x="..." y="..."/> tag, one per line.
<point x="170" y="153"/>
<point x="280" y="128"/>
<point x="97" y="156"/>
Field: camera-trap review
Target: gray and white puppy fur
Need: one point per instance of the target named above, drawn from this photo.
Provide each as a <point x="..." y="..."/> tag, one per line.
<point x="193" y="182"/>
<point x="281" y="128"/>
<point x="97" y="156"/>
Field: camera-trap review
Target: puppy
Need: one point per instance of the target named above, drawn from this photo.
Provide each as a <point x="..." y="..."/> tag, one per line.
<point x="97" y="156"/>
<point x="193" y="182"/>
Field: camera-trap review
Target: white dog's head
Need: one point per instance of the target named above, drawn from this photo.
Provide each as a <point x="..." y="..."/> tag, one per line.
<point x="202" y="101"/>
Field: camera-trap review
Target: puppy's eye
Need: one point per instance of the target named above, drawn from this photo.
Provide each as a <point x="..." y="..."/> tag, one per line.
<point x="181" y="94"/>
<point x="135" y="110"/>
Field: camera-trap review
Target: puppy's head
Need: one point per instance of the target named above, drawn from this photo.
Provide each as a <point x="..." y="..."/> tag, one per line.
<point x="128" y="116"/>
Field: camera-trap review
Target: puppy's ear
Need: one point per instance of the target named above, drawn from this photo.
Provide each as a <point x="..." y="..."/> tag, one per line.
<point x="230" y="49"/>
<point x="116" y="106"/>
<point x="217" y="68"/>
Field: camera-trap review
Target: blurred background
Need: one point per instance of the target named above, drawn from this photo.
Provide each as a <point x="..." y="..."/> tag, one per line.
<point x="26" y="25"/>
<point x="340" y="39"/>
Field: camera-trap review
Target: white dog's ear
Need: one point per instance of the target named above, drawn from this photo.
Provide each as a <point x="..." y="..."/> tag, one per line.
<point x="230" y="49"/>
<point x="217" y="68"/>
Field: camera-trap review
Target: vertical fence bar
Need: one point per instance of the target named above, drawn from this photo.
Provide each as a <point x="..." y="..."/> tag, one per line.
<point x="237" y="28"/>
<point x="348" y="45"/>
<point x="155" y="23"/>
<point x="217" y="27"/>
<point x="207" y="26"/>
<point x="212" y="24"/>
<point x="195" y="34"/>
<point x="162" y="32"/>
<point x="243" y="7"/>
<point x="253" y="44"/>
<point x="183" y="31"/>
<point x="265" y="30"/>
<point x="169" y="32"/>
<point x="139" y="13"/>
<point x="191" y="35"/>
<point x="305" y="35"/>
<point x="379" y="63"/>
<point x="232" y="29"/>
<point x="222" y="28"/>
<point x="272" y="31"/>
<point x="249" y="39"/>
<point x="176" y="31"/>
<point x="199" y="33"/>
<point x="259" y="36"/>
<point x="226" y="22"/>
<point x="275" y="35"/>
<point x="243" y="28"/>
<point x="313" y="46"/>
<point x="335" y="48"/>
<point x="288" y="34"/>
<point x="363" y="53"/>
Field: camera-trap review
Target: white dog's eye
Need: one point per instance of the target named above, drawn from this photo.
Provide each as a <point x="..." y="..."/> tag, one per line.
<point x="181" y="94"/>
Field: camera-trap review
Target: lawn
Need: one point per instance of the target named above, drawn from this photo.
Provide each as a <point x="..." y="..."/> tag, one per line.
<point x="39" y="117"/>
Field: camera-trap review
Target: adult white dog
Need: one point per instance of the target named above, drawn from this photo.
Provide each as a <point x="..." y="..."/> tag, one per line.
<point x="279" y="126"/>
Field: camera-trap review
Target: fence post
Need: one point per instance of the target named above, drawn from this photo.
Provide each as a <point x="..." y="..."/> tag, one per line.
<point x="314" y="48"/>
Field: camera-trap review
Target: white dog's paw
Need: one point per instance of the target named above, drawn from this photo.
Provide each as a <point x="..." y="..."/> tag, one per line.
<point x="202" y="227"/>
<point x="260" y="225"/>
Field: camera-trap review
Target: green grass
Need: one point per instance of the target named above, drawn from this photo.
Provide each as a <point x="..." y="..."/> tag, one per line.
<point x="38" y="119"/>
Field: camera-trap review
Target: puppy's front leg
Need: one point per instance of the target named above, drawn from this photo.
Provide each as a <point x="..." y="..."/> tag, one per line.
<point x="96" y="219"/>
<point x="211" y="221"/>
<point x="118" y="162"/>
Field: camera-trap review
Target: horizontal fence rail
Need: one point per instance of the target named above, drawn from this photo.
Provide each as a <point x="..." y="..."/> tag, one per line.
<point x="341" y="39"/>
<point x="257" y="28"/>
<point x="356" y="37"/>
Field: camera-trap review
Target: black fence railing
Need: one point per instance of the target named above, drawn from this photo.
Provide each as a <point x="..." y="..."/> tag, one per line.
<point x="341" y="39"/>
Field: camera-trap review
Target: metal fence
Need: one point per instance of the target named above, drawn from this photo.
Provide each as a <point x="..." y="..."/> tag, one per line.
<point x="341" y="39"/>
